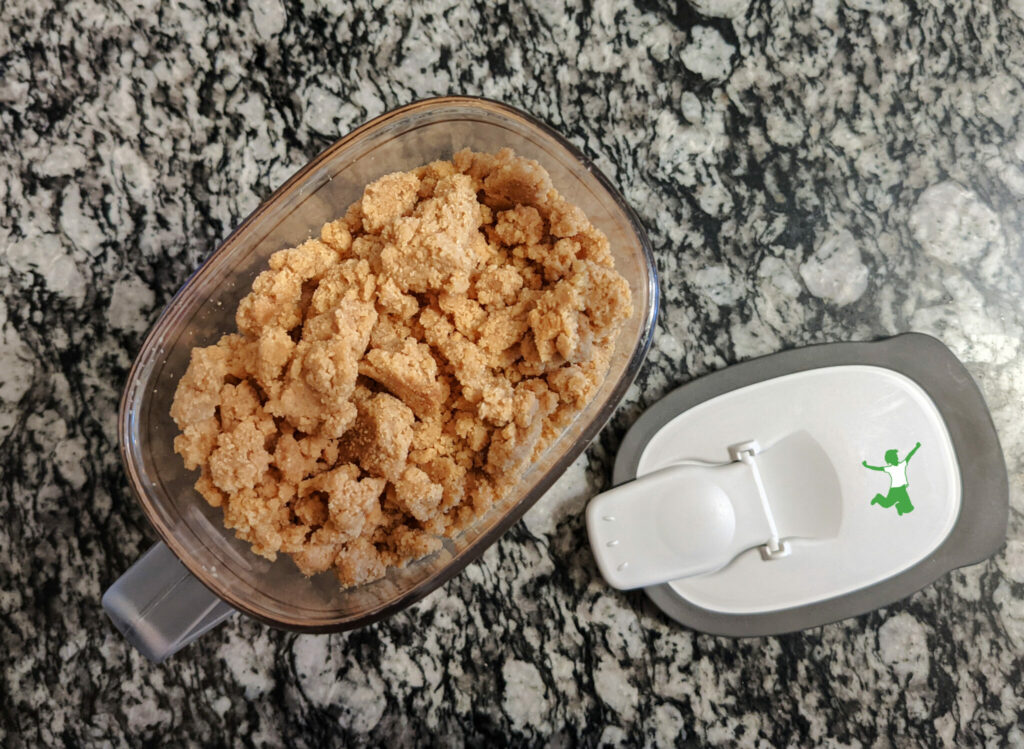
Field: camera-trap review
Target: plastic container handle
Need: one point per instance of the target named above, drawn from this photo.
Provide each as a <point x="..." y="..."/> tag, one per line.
<point x="160" y="607"/>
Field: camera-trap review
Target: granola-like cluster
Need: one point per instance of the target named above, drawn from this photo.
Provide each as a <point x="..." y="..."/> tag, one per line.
<point x="392" y="378"/>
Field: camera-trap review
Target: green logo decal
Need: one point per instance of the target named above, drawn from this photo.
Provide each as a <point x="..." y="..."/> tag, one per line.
<point x="898" y="482"/>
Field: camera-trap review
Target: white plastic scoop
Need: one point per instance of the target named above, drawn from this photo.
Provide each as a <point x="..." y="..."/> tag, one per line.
<point x="693" y="518"/>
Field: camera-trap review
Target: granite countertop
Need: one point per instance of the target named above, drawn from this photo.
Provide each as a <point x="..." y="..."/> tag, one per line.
<point x="834" y="171"/>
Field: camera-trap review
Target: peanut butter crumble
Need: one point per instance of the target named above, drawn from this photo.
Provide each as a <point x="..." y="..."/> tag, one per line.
<point x="394" y="377"/>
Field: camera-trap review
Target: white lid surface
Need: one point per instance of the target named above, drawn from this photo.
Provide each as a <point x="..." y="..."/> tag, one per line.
<point x="890" y="516"/>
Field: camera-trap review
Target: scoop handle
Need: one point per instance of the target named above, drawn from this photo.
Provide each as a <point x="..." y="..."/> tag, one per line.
<point x="160" y="607"/>
<point x="673" y="523"/>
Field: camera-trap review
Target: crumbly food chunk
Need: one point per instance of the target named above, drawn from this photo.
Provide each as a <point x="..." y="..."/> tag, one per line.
<point x="380" y="437"/>
<point x="411" y="373"/>
<point x="394" y="377"/>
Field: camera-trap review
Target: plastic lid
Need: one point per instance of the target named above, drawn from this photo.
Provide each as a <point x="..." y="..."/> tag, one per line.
<point x="804" y="487"/>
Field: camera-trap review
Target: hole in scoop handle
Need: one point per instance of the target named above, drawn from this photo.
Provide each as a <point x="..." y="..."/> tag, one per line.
<point x="160" y="607"/>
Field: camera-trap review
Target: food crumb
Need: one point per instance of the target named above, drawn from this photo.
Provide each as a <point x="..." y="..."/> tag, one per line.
<point x="393" y="377"/>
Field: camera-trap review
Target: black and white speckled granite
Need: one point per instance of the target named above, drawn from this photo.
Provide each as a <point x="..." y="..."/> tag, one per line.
<point x="834" y="170"/>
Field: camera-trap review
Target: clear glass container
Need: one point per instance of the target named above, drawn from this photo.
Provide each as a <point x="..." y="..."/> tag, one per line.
<point x="276" y="592"/>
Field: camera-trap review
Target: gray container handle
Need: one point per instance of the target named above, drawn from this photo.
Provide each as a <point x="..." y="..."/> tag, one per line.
<point x="160" y="607"/>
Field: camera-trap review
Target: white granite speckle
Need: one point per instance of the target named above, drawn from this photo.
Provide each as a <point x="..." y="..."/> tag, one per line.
<point x="364" y="697"/>
<point x="323" y="109"/>
<point x="903" y="643"/>
<point x="129" y="305"/>
<point x="268" y="16"/>
<point x="669" y="725"/>
<point x="782" y="130"/>
<point x="314" y="669"/>
<point x="613" y="688"/>
<point x="83" y="231"/>
<point x="17" y="358"/>
<point x="146" y="714"/>
<point x="717" y="284"/>
<point x="1012" y="562"/>
<point x="63" y="159"/>
<point x="44" y="256"/>
<point x="247" y="661"/>
<point x="869" y="6"/>
<point x="953" y="225"/>
<point x="70" y="458"/>
<point x="835" y="271"/>
<point x="708" y="54"/>
<point x="720" y="8"/>
<point x="1011" y="610"/>
<point x="525" y="700"/>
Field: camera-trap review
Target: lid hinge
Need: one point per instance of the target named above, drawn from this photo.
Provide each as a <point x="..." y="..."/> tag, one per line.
<point x="775" y="548"/>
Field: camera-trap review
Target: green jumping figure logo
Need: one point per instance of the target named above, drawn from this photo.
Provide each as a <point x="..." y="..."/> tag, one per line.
<point x="898" y="483"/>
